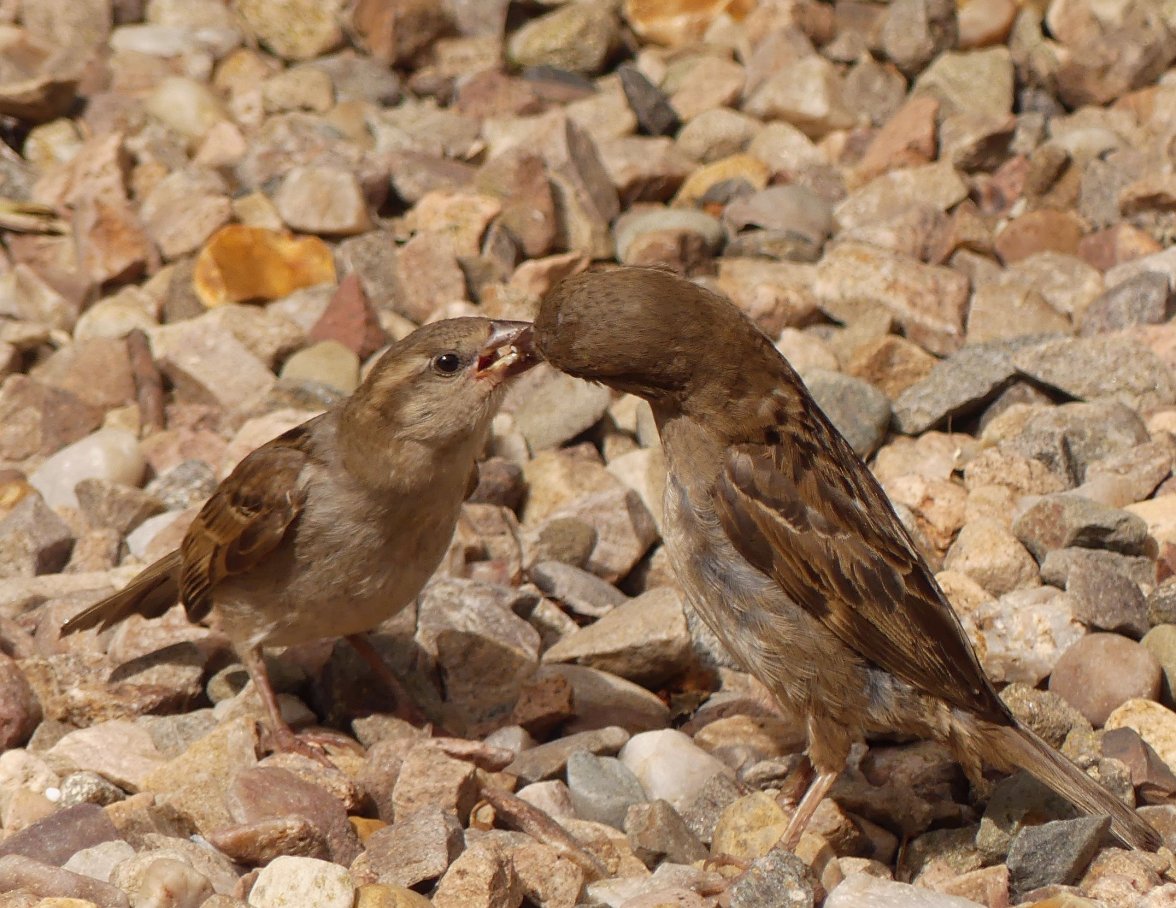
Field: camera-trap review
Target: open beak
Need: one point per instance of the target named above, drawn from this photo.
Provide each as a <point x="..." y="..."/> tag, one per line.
<point x="508" y="352"/>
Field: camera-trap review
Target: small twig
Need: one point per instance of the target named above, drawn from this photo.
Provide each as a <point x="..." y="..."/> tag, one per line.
<point x="148" y="382"/>
<point x="518" y="814"/>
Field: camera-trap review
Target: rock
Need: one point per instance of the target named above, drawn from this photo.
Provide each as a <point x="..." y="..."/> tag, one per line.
<point x="928" y="301"/>
<point x="208" y="365"/>
<point x="557" y="408"/>
<point x="58" y="836"/>
<point x="1107" y="600"/>
<point x="645" y="640"/>
<point x="479" y="878"/>
<point x="1069" y="438"/>
<point x="779" y="878"/>
<point x="806" y="93"/>
<point x="485" y="653"/>
<point x="1145" y="299"/>
<point x="1153" y="780"/>
<point x="602" y="789"/>
<point x="20" y="711"/>
<point x="165" y="879"/>
<point x="290" y="881"/>
<point x="266" y="793"/>
<point x="327" y="362"/>
<point x="1024" y="633"/>
<point x="1155" y="724"/>
<point x="19" y="873"/>
<point x="416" y="848"/>
<point x="293" y="29"/>
<point x="1056" y="852"/>
<point x="119" y="750"/>
<point x="36" y="418"/>
<point x="241" y="263"/>
<point x="1082" y="679"/>
<point x="624" y="529"/>
<point x="1160" y="641"/>
<point x="322" y="200"/>
<point x="601" y="700"/>
<point x="1100" y="367"/>
<point x="577" y="37"/>
<point x="110" y="504"/>
<point x="183" y="210"/>
<point x="547" y="760"/>
<point x="992" y="556"/>
<point x="657" y="833"/>
<point x="109" y="454"/>
<point x="914" y="32"/>
<point x="654" y="114"/>
<point x="931" y="186"/>
<point x="1064" y="519"/>
<point x="861" y="890"/>
<point x="260" y="842"/>
<point x="33" y="540"/>
<point x="979" y="82"/>
<point x="856" y="408"/>
<point x="432" y="779"/>
<point x="669" y="766"/>
<point x="579" y="591"/>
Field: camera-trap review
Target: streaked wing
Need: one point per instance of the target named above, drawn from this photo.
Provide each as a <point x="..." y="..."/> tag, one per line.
<point x="244" y="520"/>
<point x="804" y="509"/>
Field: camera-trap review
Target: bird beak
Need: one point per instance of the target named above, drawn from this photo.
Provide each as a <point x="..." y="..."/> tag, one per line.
<point x="508" y="351"/>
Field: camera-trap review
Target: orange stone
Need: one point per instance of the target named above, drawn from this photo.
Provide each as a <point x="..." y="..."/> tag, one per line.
<point x="240" y="263"/>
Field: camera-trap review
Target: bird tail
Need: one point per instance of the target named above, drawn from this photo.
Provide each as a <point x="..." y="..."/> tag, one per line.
<point x="151" y="593"/>
<point x="1028" y="751"/>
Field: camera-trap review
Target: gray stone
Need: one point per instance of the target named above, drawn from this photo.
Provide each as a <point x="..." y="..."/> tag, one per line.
<point x="779" y="879"/>
<point x="1057" y="852"/>
<point x="856" y="408"/>
<point x="1069" y="438"/>
<point x="956" y="387"/>
<point x="1161" y="603"/>
<point x="602" y="788"/>
<point x="1013" y="801"/>
<point x="1107" y="366"/>
<point x="1145" y="299"/>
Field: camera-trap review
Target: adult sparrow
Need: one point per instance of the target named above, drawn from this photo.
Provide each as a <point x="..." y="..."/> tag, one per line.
<point x="785" y="543"/>
<point x="336" y="525"/>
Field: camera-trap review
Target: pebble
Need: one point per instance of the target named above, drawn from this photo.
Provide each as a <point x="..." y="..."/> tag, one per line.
<point x="645" y="639"/>
<point x="1062" y="520"/>
<point x="670" y="766"/>
<point x="288" y="881"/>
<point x="1083" y="679"/>
<point x="1055" y="852"/>
<point x="109" y="454"/>
<point x="602" y="789"/>
<point x="1156" y="724"/>
<point x="863" y="890"/>
<point x="547" y="760"/>
<point x="657" y="833"/>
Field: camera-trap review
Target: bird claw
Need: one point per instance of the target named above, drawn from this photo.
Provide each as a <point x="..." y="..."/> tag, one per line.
<point x="283" y="740"/>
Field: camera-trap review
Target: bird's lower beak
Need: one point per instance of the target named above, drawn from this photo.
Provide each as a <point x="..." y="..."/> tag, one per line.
<point x="508" y="352"/>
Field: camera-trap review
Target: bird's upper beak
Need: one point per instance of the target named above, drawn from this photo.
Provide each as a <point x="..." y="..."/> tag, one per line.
<point x="507" y="352"/>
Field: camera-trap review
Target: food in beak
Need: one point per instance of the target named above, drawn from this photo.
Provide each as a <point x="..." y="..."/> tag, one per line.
<point x="509" y="357"/>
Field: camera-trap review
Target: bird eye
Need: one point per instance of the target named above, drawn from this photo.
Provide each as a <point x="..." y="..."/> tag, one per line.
<point x="446" y="363"/>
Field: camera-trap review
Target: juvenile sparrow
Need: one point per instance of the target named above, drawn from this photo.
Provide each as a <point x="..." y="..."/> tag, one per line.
<point x="785" y="543"/>
<point x="336" y="525"/>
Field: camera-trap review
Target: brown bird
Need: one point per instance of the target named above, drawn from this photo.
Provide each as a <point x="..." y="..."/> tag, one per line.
<point x="336" y="525"/>
<point x="787" y="546"/>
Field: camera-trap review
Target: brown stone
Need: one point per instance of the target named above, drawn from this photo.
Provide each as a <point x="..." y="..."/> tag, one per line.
<point x="1045" y="230"/>
<point x="350" y="319"/>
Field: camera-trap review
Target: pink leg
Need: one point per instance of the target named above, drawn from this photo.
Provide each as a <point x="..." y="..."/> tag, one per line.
<point x="281" y="734"/>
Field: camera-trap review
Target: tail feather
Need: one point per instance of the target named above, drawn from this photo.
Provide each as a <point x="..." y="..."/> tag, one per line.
<point x="1032" y="754"/>
<point x="151" y="593"/>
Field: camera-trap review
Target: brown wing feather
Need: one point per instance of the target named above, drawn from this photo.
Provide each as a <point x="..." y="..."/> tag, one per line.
<point x="244" y="520"/>
<point x="804" y="509"/>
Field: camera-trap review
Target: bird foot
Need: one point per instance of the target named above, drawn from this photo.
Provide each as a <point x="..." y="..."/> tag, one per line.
<point x="723" y="860"/>
<point x="312" y="745"/>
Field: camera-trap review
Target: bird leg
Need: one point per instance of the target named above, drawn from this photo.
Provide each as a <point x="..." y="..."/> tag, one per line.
<point x="405" y="708"/>
<point x="805" y="810"/>
<point x="282" y="737"/>
<point x="796" y="783"/>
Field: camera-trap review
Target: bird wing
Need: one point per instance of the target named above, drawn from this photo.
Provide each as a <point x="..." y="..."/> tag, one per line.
<point x="803" y="509"/>
<point x="244" y="520"/>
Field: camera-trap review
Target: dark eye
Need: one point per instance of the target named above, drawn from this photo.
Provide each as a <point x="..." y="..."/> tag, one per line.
<point x="446" y="363"/>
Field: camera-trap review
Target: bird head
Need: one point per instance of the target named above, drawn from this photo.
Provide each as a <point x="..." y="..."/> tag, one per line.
<point x="648" y="332"/>
<point x="443" y="383"/>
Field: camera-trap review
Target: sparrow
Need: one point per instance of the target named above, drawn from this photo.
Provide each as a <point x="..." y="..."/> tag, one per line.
<point x="336" y="525"/>
<point x="787" y="546"/>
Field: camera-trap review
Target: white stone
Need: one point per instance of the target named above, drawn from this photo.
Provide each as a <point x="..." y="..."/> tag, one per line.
<point x="861" y="890"/>
<point x="670" y="765"/>
<point x="110" y="454"/>
<point x="98" y="861"/>
<point x="289" y="882"/>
